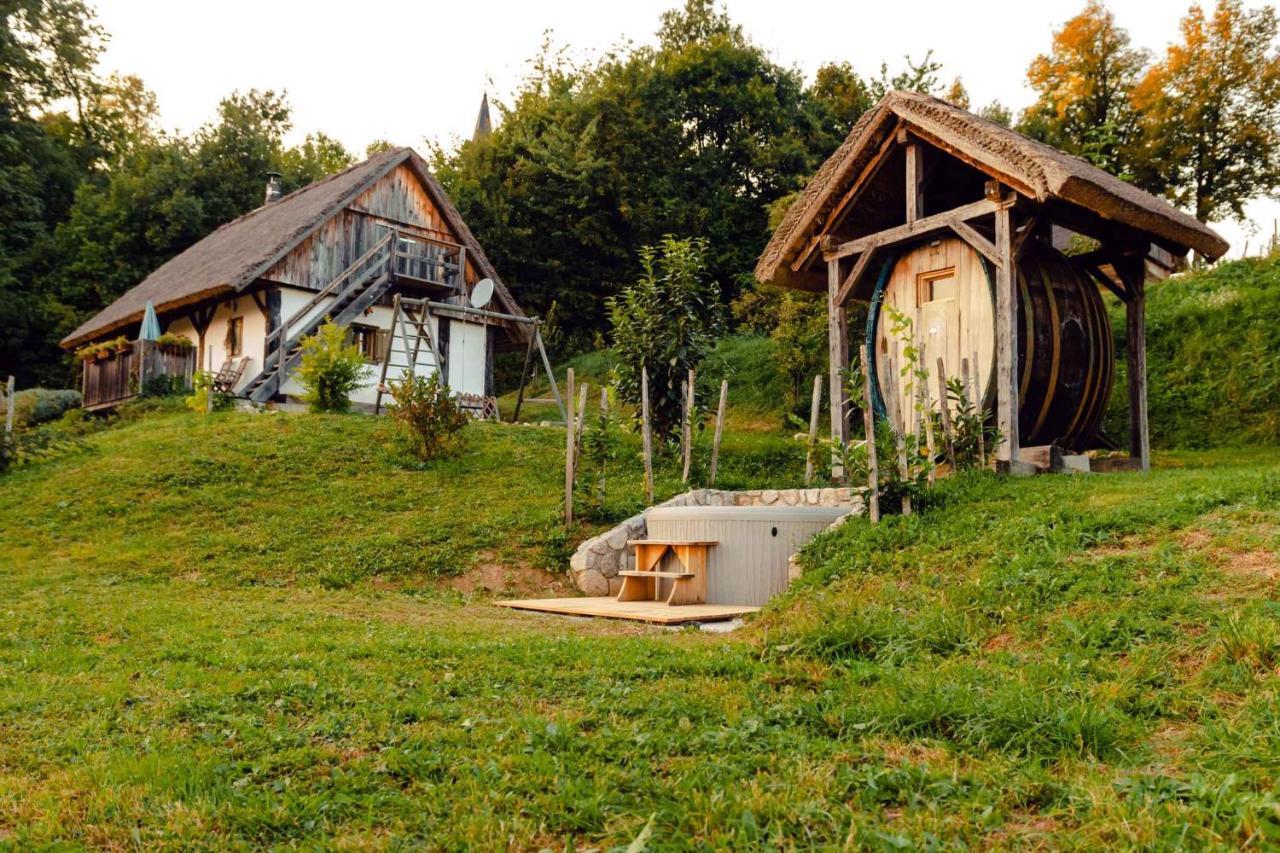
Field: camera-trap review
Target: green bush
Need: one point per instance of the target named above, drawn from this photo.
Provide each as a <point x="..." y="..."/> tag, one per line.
<point x="39" y="405"/>
<point x="427" y="416"/>
<point x="331" y="369"/>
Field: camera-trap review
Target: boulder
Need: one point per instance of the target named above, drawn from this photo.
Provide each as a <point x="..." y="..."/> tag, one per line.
<point x="591" y="582"/>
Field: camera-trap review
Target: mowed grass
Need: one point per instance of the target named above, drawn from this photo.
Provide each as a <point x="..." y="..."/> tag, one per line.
<point x="1058" y="661"/>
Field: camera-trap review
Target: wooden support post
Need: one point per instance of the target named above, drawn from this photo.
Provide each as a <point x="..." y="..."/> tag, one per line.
<point x="915" y="202"/>
<point x="687" y="432"/>
<point x="208" y="392"/>
<point x="838" y="360"/>
<point x="946" y="414"/>
<point x="815" y="404"/>
<point x="569" y="441"/>
<point x="524" y="377"/>
<point x="1006" y="344"/>
<point x="1136" y="344"/>
<point x="715" y="444"/>
<point x="646" y="434"/>
<point x="982" y="413"/>
<point x="869" y="426"/>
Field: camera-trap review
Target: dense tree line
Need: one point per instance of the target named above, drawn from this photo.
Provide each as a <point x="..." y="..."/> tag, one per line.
<point x="700" y="134"/>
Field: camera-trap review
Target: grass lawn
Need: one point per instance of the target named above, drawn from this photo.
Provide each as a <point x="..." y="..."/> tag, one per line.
<point x="238" y="631"/>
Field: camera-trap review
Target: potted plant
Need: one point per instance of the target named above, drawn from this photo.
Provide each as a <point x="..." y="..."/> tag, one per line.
<point x="173" y="344"/>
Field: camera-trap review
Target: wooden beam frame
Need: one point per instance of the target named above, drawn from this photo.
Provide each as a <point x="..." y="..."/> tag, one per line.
<point x="980" y="244"/>
<point x="1006" y="344"/>
<point x="869" y="171"/>
<point x="838" y="360"/>
<point x="854" y="276"/>
<point x="919" y="228"/>
<point x="915" y="178"/>
<point x="1132" y="271"/>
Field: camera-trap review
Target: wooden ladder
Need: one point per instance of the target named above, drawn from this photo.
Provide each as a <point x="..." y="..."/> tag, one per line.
<point x="644" y="584"/>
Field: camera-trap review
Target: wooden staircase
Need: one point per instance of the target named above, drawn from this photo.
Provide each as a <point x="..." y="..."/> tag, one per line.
<point x="353" y="290"/>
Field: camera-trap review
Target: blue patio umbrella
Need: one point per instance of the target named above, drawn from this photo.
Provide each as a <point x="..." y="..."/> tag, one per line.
<point x="150" y="324"/>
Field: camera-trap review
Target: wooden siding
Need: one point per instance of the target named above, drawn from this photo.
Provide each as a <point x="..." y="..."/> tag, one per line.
<point x="399" y="198"/>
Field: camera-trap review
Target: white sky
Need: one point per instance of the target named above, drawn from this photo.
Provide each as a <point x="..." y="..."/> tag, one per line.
<point x="411" y="71"/>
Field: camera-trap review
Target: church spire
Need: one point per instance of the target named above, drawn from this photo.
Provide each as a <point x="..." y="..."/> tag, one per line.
<point x="483" y="126"/>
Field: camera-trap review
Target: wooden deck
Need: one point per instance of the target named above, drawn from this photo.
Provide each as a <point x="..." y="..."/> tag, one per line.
<point x="652" y="612"/>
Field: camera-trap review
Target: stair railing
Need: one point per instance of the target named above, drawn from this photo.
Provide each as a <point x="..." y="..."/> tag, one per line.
<point x="331" y="287"/>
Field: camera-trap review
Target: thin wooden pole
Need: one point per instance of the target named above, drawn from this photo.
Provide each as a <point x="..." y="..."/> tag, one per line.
<point x="687" y="434"/>
<point x="524" y="377"/>
<point x="551" y="376"/>
<point x="869" y="425"/>
<point x="646" y="434"/>
<point x="946" y="414"/>
<point x="926" y="408"/>
<point x="569" y="440"/>
<point x="982" y="413"/>
<point x="715" y="444"/>
<point x="815" y="404"/>
<point x="893" y="404"/>
<point x="208" y="393"/>
<point x="10" y="401"/>
<point x="582" y="416"/>
<point x="604" y="415"/>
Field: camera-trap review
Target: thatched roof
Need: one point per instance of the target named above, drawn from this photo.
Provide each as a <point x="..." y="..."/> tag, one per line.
<point x="1034" y="169"/>
<point x="235" y="255"/>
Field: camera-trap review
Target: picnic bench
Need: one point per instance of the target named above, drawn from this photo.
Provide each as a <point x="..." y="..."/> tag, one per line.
<point x="645" y="582"/>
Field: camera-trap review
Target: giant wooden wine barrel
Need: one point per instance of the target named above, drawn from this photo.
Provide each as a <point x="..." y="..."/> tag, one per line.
<point x="947" y="290"/>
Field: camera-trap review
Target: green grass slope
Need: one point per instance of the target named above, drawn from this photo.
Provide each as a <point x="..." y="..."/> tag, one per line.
<point x="199" y="648"/>
<point x="1213" y="358"/>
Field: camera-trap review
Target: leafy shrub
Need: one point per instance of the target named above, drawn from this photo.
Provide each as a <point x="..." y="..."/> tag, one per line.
<point x="332" y="367"/>
<point x="668" y="322"/>
<point x="201" y="388"/>
<point x="601" y="445"/>
<point x="39" y="405"/>
<point x="427" y="416"/>
<point x="165" y="385"/>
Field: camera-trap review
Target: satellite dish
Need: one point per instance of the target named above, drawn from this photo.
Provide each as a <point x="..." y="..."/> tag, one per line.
<point x="482" y="293"/>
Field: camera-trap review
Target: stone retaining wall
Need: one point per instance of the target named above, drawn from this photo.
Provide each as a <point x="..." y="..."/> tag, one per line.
<point x="595" y="565"/>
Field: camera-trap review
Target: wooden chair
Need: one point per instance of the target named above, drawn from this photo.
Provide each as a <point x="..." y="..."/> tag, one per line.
<point x="689" y="586"/>
<point x="227" y="378"/>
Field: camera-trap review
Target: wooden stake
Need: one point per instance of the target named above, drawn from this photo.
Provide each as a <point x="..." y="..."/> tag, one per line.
<point x="926" y="408"/>
<point x="688" y="428"/>
<point x="715" y="444"/>
<point x="869" y="425"/>
<point x="569" y="436"/>
<point x="815" y="403"/>
<point x="582" y="416"/>
<point x="646" y="434"/>
<point x="604" y="414"/>
<point x="551" y="376"/>
<point x="208" y="394"/>
<point x="895" y="410"/>
<point x="9" y="404"/>
<point x="982" y="413"/>
<point x="946" y="414"/>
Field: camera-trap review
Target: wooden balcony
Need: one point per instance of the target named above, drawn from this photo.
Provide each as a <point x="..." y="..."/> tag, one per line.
<point x="117" y="378"/>
<point x="427" y="261"/>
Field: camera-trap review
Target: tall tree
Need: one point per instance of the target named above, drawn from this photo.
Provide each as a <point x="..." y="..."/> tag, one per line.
<point x="1083" y="86"/>
<point x="1211" y="112"/>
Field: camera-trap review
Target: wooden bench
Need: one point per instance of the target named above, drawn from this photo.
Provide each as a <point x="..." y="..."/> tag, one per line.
<point x="645" y="582"/>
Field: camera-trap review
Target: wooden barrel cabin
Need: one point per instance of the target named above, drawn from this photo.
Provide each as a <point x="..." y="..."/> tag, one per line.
<point x="947" y="290"/>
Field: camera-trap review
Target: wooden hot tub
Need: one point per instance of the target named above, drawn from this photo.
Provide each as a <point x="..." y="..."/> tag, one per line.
<point x="748" y="563"/>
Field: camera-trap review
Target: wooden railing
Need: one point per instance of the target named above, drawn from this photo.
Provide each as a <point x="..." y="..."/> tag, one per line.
<point x="119" y="377"/>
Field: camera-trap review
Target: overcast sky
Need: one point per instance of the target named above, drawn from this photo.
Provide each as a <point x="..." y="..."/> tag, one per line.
<point x="411" y="71"/>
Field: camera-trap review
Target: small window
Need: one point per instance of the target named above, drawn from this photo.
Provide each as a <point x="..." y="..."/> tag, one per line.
<point x="936" y="285"/>
<point x="234" y="343"/>
<point x="371" y="341"/>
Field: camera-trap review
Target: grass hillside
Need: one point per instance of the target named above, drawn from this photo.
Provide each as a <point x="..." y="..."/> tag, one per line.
<point x="238" y="630"/>
<point x="1213" y="357"/>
